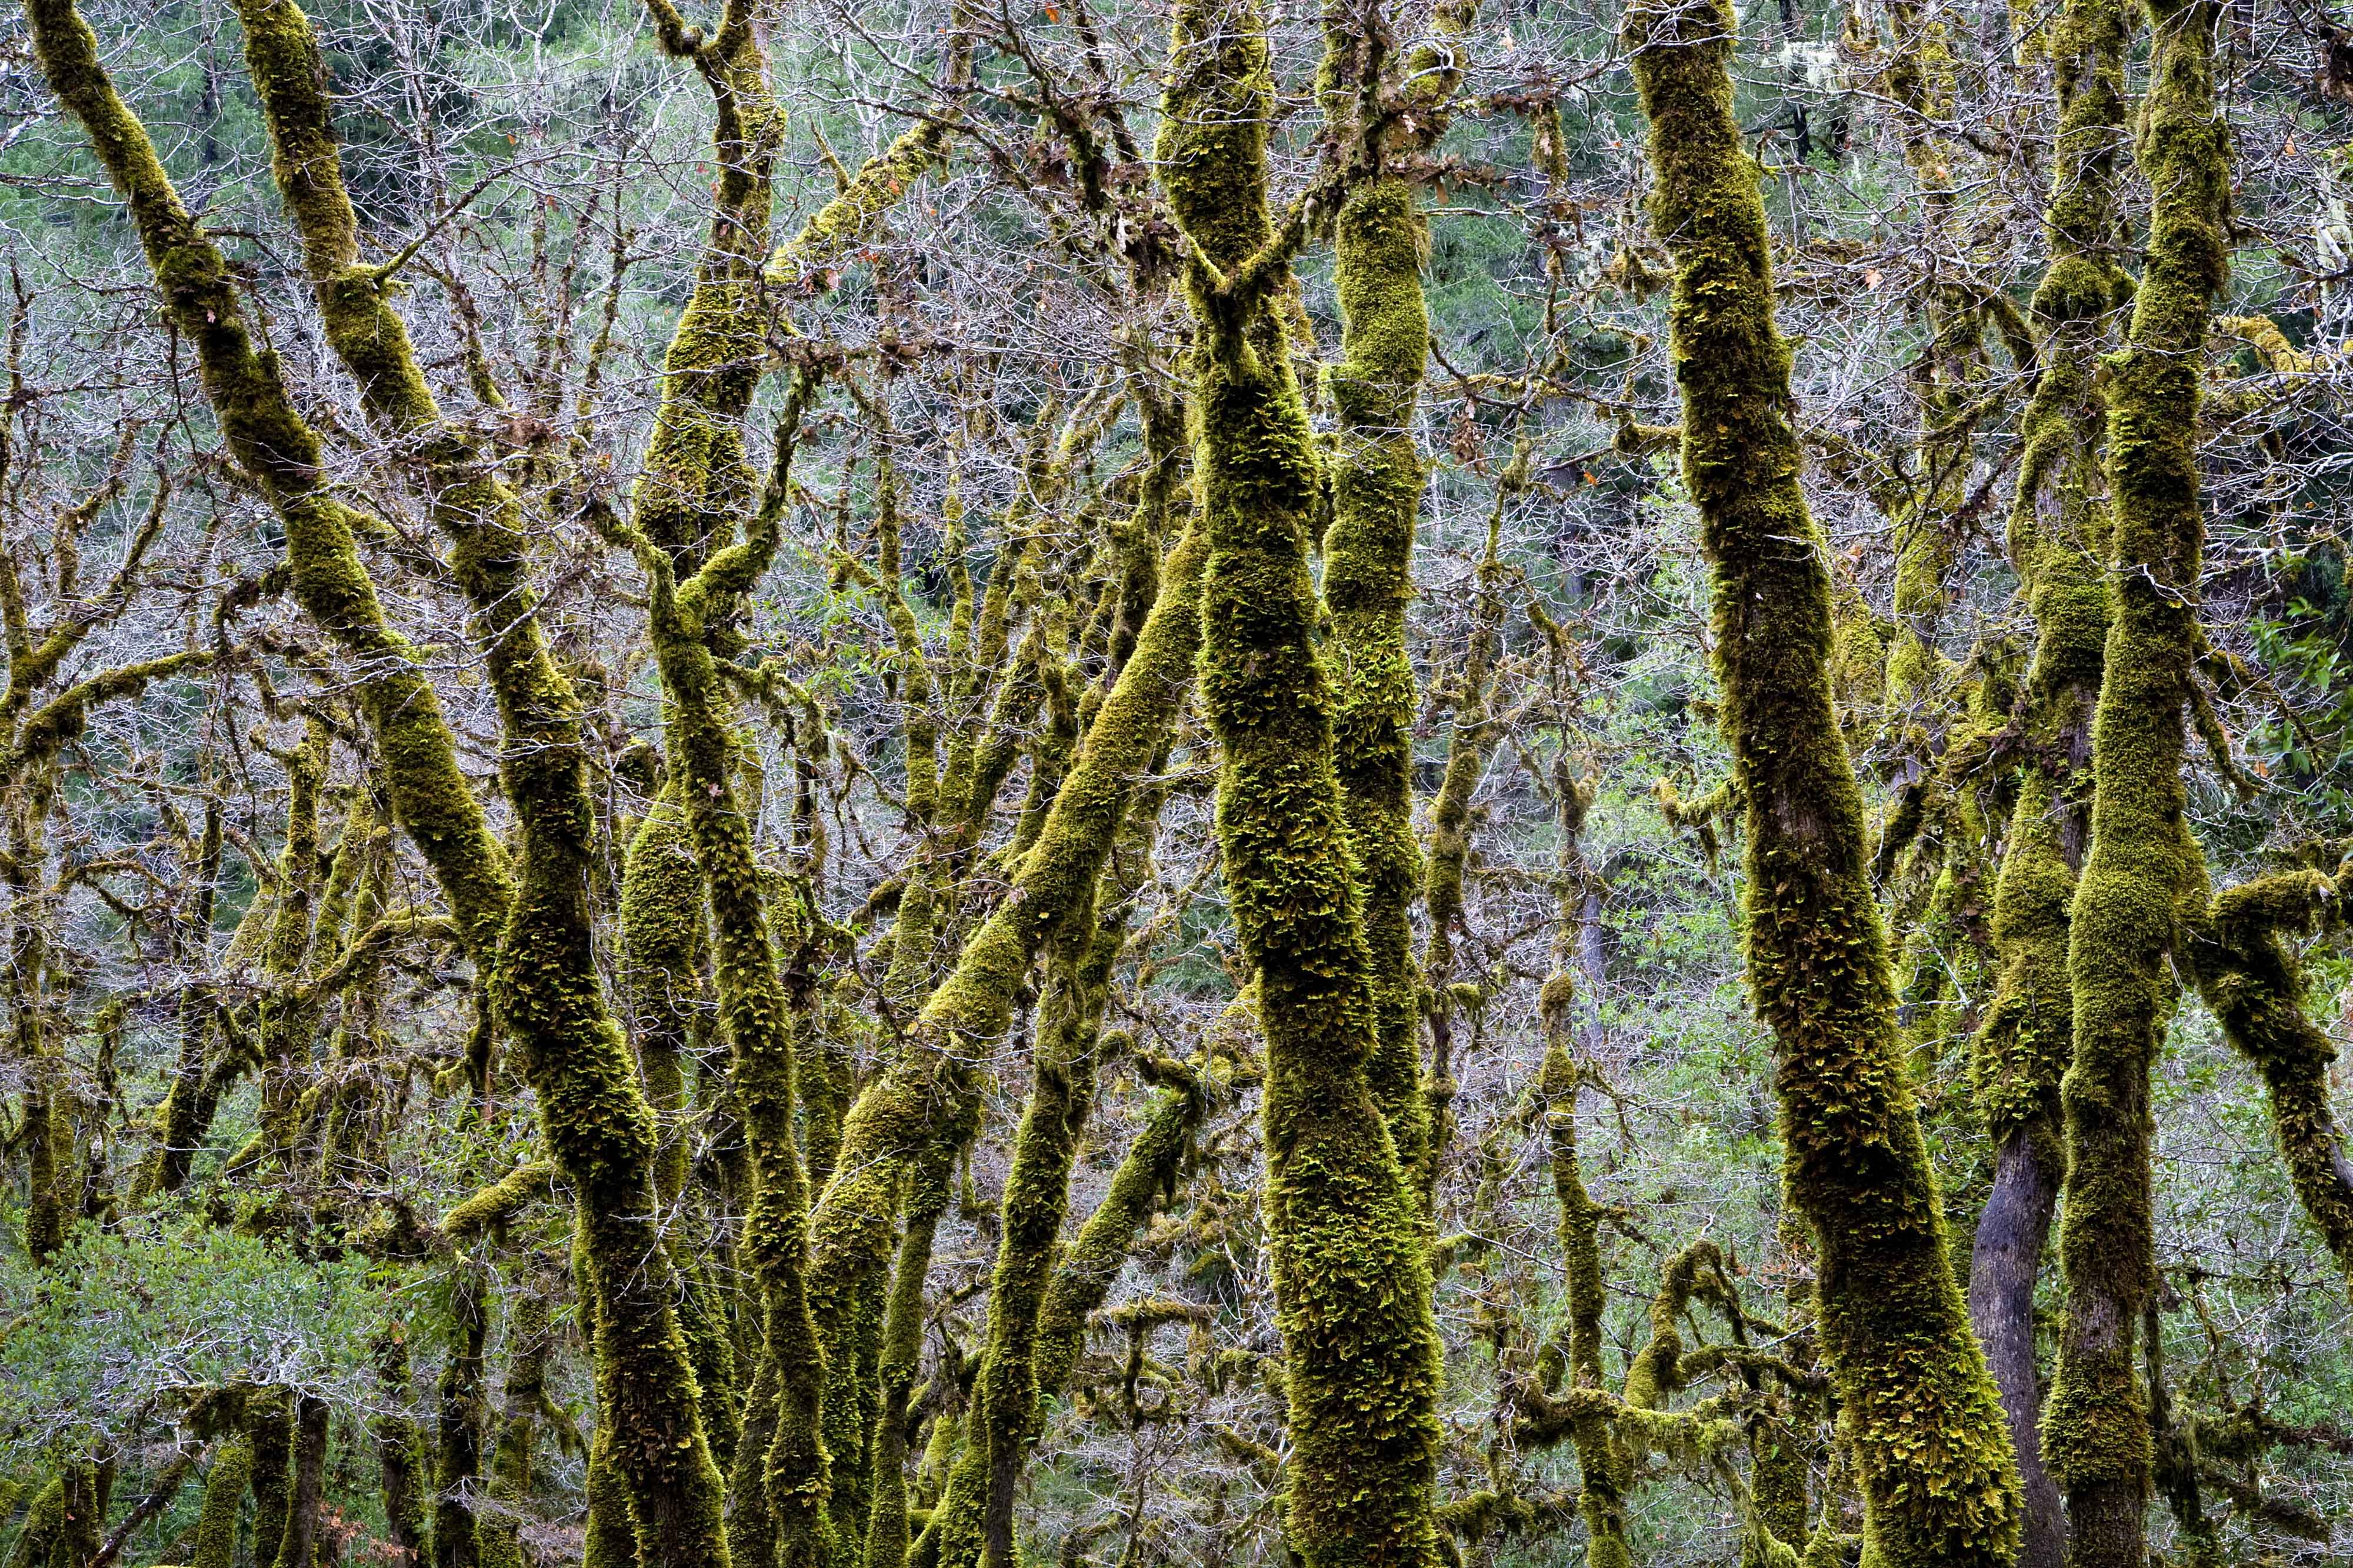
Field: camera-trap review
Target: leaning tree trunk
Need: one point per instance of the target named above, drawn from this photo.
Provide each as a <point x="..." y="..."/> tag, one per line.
<point x="1939" y="1483"/>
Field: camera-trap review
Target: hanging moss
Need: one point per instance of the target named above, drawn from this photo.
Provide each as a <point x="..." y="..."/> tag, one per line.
<point x="1351" y="1274"/>
<point x="2250" y="977"/>
<point x="2143" y="872"/>
<point x="1938" y="1480"/>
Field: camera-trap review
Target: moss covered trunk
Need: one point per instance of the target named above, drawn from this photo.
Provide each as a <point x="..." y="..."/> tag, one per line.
<point x="2058" y="530"/>
<point x="1931" y="1448"/>
<point x="2143" y="872"/>
<point x="1351" y="1276"/>
<point x="1376" y="481"/>
<point x="795" y="1484"/>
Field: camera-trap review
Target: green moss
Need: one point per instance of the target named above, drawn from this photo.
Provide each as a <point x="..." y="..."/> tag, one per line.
<point x="463" y="1420"/>
<point x="1090" y="1263"/>
<point x="1470" y="741"/>
<point x="663" y="962"/>
<point x="513" y="1459"/>
<point x="1933" y="1454"/>
<point x="284" y="1022"/>
<point x="215" y="1544"/>
<point x="797" y="1483"/>
<point x="852" y="1232"/>
<point x="301" y="1545"/>
<point x="1604" y="1467"/>
<point x="65" y="717"/>
<point x="900" y="1354"/>
<point x="2250" y="977"/>
<point x="2058" y="530"/>
<point x="269" y="1427"/>
<point x="400" y="1458"/>
<point x="696" y="483"/>
<point x="38" y="1539"/>
<point x="180" y="1122"/>
<point x="545" y="981"/>
<point x="849" y="217"/>
<point x="663" y="969"/>
<point x="974" y="1522"/>
<point x="271" y="441"/>
<point x="499" y="1202"/>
